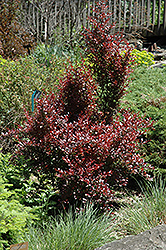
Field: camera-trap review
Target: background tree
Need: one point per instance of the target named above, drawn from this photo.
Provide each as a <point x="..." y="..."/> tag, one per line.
<point x="14" y="41"/>
<point x="52" y="21"/>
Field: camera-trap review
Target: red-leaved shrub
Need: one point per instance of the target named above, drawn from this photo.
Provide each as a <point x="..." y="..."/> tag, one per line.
<point x="77" y="92"/>
<point x="83" y="152"/>
<point x="109" y="57"/>
<point x="84" y="159"/>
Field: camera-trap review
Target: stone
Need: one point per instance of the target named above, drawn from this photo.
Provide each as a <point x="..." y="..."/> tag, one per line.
<point x="159" y="64"/>
<point x="159" y="55"/>
<point x="154" y="239"/>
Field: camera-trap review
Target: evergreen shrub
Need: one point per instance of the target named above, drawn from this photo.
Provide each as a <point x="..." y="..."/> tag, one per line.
<point x="146" y="94"/>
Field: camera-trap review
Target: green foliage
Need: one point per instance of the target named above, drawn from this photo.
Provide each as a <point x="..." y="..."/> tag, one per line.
<point x="142" y="58"/>
<point x="80" y="229"/>
<point x="162" y="8"/>
<point x="13" y="215"/>
<point x="144" y="212"/>
<point x="39" y="193"/>
<point x="32" y="191"/>
<point x="2" y="61"/>
<point x="13" y="173"/>
<point x="147" y="95"/>
<point x="18" y="80"/>
<point x="44" y="54"/>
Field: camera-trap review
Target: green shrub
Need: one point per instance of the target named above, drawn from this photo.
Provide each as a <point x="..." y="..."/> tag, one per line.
<point x="142" y="58"/>
<point x="13" y="215"/>
<point x="18" y="80"/>
<point x="13" y="175"/>
<point x="32" y="191"/>
<point x="146" y="94"/>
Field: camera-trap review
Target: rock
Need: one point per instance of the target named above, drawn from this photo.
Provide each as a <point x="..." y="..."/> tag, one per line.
<point x="159" y="55"/>
<point x="159" y="64"/>
<point x="138" y="44"/>
<point x="152" y="47"/>
<point x="154" y="239"/>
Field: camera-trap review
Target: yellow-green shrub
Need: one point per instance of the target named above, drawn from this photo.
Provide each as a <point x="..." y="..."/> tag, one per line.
<point x="13" y="215"/>
<point x="18" y="80"/>
<point x="2" y="61"/>
<point x="142" y="57"/>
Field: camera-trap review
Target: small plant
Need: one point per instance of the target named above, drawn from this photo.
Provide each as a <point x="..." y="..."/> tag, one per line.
<point x="142" y="58"/>
<point x="44" y="54"/>
<point x="32" y="190"/>
<point x="13" y="215"/>
<point x="144" y="212"/>
<point x="2" y="61"/>
<point x="80" y="229"/>
<point x="12" y="174"/>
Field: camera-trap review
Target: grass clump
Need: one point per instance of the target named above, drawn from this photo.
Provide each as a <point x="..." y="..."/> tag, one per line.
<point x="80" y="229"/>
<point x="145" y="211"/>
<point x="88" y="229"/>
<point x="44" y="55"/>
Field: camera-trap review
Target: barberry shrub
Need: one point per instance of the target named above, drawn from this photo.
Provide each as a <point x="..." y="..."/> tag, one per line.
<point x="77" y="92"/>
<point x="83" y="157"/>
<point x="109" y="57"/>
<point x="83" y="152"/>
